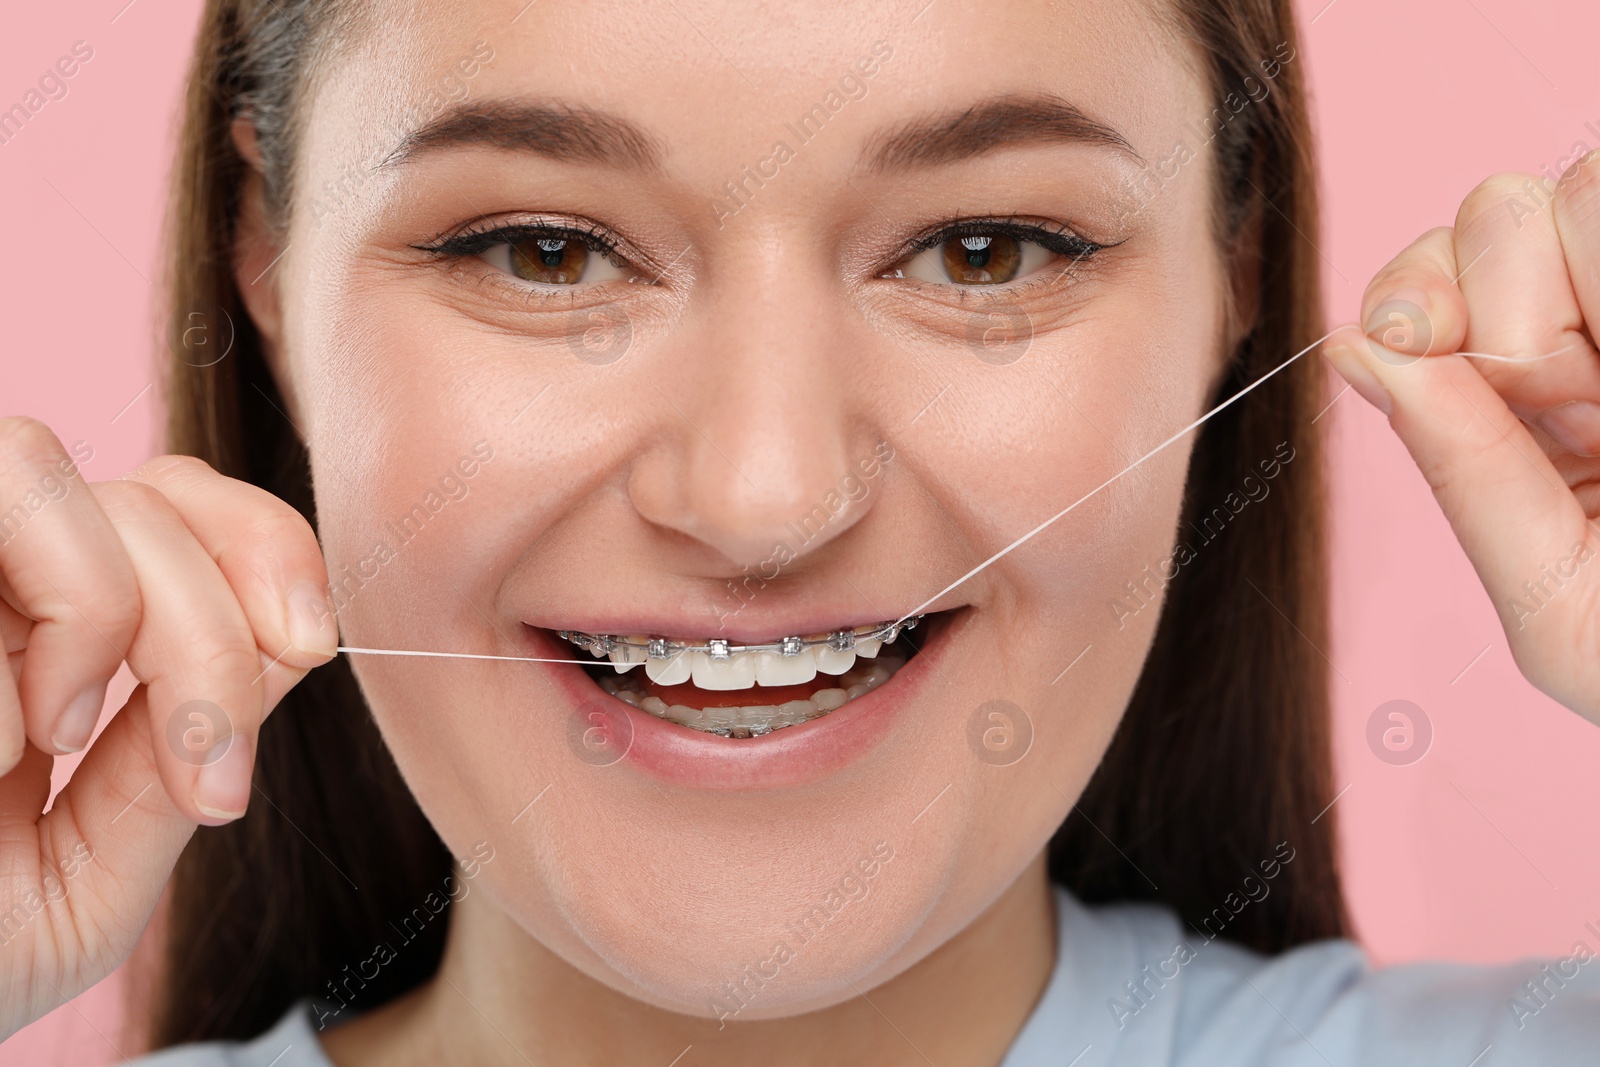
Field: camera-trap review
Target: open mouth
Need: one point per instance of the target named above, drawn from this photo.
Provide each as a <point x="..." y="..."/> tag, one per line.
<point x="746" y="690"/>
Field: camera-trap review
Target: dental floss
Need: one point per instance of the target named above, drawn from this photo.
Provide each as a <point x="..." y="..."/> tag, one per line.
<point x="1031" y="534"/>
<point x="457" y="655"/>
<point x="1019" y="542"/>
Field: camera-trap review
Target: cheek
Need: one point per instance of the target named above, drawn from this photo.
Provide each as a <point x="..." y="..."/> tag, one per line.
<point x="1060" y="435"/>
<point x="401" y="404"/>
<point x="1067" y="640"/>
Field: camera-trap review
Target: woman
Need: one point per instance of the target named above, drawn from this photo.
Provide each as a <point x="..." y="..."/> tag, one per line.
<point x="824" y="392"/>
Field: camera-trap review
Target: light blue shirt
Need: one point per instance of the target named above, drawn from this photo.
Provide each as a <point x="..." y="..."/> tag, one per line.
<point x="1132" y="987"/>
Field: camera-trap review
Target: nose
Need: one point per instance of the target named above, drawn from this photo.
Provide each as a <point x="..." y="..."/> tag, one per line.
<point x="759" y="425"/>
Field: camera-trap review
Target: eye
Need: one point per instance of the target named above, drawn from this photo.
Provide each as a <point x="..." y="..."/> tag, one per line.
<point x="544" y="254"/>
<point x="977" y="254"/>
<point x="562" y="259"/>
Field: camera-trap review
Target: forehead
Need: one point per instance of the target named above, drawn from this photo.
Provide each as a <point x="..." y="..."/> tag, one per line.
<point x="711" y="83"/>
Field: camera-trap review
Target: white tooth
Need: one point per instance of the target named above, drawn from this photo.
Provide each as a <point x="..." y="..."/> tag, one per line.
<point x="857" y="690"/>
<point x="829" y="699"/>
<point x="684" y="714"/>
<point x="877" y="676"/>
<point x="774" y="668"/>
<point x="720" y="717"/>
<point x="624" y="658"/>
<point x="654" y="705"/>
<point x="735" y="672"/>
<point x="759" y="715"/>
<point x="628" y="696"/>
<point x="672" y="671"/>
<point x="831" y="662"/>
<point x="796" y="712"/>
<point x="867" y="647"/>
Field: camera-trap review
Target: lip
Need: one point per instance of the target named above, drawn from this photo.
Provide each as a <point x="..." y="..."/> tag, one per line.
<point x="795" y="755"/>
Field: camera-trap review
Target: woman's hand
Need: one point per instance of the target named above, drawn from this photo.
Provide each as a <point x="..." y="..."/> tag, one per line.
<point x="1511" y="449"/>
<point x="212" y="591"/>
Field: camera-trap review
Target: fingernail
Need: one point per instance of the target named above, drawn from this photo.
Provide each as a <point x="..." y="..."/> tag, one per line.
<point x="312" y="627"/>
<point x="222" y="789"/>
<point x="1401" y="322"/>
<point x="1575" y="425"/>
<point x="1347" y="361"/>
<point x="77" y="722"/>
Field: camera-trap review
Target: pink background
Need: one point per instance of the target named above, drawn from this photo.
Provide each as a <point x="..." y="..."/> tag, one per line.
<point x="1482" y="850"/>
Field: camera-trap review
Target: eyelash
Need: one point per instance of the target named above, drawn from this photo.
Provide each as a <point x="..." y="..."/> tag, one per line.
<point x="476" y="242"/>
<point x="1060" y="242"/>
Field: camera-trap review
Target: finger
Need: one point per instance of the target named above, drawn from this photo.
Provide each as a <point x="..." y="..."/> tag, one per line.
<point x="14" y="628"/>
<point x="1577" y="223"/>
<point x="1508" y="506"/>
<point x="196" y="652"/>
<point x="13" y="732"/>
<point x="265" y="549"/>
<point x="1522" y="304"/>
<point x="1413" y="306"/>
<point x="64" y="567"/>
<point x="110" y="840"/>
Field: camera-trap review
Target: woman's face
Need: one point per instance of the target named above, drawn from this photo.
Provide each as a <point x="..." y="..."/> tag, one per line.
<point x="801" y="317"/>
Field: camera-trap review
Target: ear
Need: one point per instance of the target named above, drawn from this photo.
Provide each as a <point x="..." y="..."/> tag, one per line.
<point x="256" y="256"/>
<point x="1244" y="280"/>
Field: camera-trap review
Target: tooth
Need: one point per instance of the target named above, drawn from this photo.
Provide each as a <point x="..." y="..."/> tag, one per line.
<point x="734" y="672"/>
<point x="831" y="662"/>
<point x="773" y="668"/>
<point x="796" y="712"/>
<point x="829" y="699"/>
<point x="758" y="717"/>
<point x="684" y="714"/>
<point x="720" y="717"/>
<point x="857" y="690"/>
<point x="674" y="671"/>
<point x="867" y="647"/>
<point x="626" y="657"/>
<point x="654" y="705"/>
<point x="628" y="696"/>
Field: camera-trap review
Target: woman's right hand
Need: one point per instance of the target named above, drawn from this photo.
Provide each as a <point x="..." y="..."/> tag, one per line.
<point x="213" y="591"/>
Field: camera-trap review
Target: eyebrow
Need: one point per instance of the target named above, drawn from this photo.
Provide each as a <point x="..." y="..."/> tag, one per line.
<point x="988" y="126"/>
<point x="557" y="131"/>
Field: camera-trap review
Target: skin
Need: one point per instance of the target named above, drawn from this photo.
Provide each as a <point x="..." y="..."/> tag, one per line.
<point x="766" y="354"/>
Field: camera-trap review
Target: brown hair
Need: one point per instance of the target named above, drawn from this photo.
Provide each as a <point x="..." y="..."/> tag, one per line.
<point x="1222" y="755"/>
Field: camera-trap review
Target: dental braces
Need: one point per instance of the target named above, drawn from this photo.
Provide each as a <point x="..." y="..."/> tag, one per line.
<point x="659" y="648"/>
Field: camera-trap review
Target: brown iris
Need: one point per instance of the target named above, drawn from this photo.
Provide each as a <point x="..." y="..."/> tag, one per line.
<point x="982" y="259"/>
<point x="552" y="260"/>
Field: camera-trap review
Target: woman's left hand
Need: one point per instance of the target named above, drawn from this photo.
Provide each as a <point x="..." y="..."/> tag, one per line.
<point x="1511" y="449"/>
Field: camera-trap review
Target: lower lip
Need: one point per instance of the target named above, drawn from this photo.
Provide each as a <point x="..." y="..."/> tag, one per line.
<point x="794" y="755"/>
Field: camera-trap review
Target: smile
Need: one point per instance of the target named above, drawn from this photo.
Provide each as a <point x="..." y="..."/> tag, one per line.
<point x="792" y="679"/>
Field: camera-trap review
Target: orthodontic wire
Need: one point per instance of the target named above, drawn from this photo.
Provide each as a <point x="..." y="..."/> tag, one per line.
<point x="1019" y="542"/>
